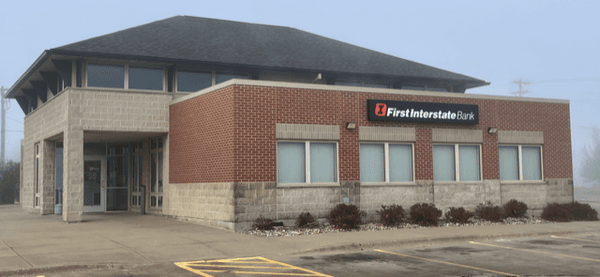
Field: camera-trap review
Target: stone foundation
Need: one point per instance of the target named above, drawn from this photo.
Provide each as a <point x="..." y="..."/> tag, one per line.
<point x="235" y="205"/>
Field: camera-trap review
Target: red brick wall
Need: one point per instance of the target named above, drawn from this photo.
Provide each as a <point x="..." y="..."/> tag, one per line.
<point x="257" y="109"/>
<point x="201" y="138"/>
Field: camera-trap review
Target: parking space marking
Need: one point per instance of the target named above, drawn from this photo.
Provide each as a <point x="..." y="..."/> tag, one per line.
<point x="225" y="265"/>
<point x="576" y="239"/>
<point x="447" y="263"/>
<point x="535" y="251"/>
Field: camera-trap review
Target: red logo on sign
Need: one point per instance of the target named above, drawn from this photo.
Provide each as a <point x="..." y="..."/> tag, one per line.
<point x="380" y="109"/>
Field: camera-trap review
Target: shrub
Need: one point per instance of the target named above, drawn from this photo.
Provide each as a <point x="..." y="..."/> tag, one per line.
<point x="557" y="212"/>
<point x="306" y="220"/>
<point x="458" y="215"/>
<point x="392" y="215"/>
<point x="514" y="208"/>
<point x="569" y="211"/>
<point x="345" y="216"/>
<point x="263" y="224"/>
<point x="425" y="214"/>
<point x="487" y="211"/>
<point x="583" y="212"/>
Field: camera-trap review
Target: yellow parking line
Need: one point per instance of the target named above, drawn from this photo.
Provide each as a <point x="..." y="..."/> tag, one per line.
<point x="298" y="268"/>
<point x="207" y="263"/>
<point x="448" y="263"/>
<point x="237" y="266"/>
<point x="534" y="251"/>
<point x="575" y="239"/>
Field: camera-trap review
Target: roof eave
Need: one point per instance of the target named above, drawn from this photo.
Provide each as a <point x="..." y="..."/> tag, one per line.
<point x="27" y="74"/>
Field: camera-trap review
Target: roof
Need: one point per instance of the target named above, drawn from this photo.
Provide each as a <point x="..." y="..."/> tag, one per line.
<point x="238" y="43"/>
<point x="181" y="39"/>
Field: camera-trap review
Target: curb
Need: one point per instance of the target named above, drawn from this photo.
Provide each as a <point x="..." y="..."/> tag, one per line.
<point x="436" y="241"/>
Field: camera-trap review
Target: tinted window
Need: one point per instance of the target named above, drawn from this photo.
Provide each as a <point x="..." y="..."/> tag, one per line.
<point x="146" y="78"/>
<point x="105" y="76"/>
<point x="193" y="81"/>
<point x="222" y="77"/>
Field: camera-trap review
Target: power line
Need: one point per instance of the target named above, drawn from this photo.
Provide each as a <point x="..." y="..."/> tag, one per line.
<point x="14" y="119"/>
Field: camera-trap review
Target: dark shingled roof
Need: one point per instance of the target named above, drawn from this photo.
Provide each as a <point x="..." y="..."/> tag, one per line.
<point x="245" y="44"/>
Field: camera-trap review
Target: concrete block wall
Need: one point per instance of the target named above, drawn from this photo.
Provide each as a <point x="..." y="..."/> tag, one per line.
<point x="373" y="197"/>
<point x="253" y="199"/>
<point x="48" y="120"/>
<point x="207" y="203"/>
<point x="559" y="190"/>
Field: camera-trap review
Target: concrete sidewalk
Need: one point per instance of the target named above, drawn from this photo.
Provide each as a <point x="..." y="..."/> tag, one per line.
<point x="33" y="241"/>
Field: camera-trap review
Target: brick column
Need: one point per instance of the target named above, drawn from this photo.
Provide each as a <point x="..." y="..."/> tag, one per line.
<point x="73" y="174"/>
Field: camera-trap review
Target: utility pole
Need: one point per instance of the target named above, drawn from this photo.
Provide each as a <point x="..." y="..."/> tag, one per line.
<point x="521" y="84"/>
<point x="5" y="106"/>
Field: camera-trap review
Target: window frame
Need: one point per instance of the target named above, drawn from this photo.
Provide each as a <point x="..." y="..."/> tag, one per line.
<point x="126" y="75"/>
<point x="520" y="161"/>
<point x="307" y="164"/>
<point x="457" y="162"/>
<point x="386" y="163"/>
<point x="158" y="194"/>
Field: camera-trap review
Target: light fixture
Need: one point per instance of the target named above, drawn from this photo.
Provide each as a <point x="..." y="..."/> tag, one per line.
<point x="492" y="130"/>
<point x="351" y="125"/>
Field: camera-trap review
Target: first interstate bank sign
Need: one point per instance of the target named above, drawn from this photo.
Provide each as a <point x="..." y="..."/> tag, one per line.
<point x="409" y="111"/>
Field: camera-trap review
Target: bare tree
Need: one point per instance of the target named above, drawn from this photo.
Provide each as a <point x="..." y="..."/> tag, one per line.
<point x="9" y="182"/>
<point x="590" y="167"/>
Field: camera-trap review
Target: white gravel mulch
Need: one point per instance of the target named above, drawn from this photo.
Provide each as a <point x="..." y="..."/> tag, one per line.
<point x="326" y="228"/>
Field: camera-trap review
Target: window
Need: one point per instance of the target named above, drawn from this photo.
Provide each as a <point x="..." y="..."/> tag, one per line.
<point x="193" y="81"/>
<point x="307" y="162"/>
<point x="386" y="162"/>
<point x="114" y="76"/>
<point x="105" y="76"/>
<point x="146" y="78"/>
<point x="456" y="163"/>
<point x="356" y="83"/>
<point x="222" y="77"/>
<point x="156" y="174"/>
<point x="520" y="162"/>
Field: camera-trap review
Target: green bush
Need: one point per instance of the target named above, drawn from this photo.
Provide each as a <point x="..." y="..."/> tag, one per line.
<point x="568" y="212"/>
<point x="425" y="214"/>
<point x="487" y="211"/>
<point x="392" y="215"/>
<point x="345" y="216"/>
<point x="262" y="224"/>
<point x="306" y="220"/>
<point x="458" y="215"/>
<point x="514" y="208"/>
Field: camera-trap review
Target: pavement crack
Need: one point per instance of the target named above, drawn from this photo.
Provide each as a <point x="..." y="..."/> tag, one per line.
<point x="11" y="249"/>
<point x="132" y="249"/>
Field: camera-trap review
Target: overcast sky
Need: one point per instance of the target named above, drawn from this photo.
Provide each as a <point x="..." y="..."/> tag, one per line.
<point x="553" y="44"/>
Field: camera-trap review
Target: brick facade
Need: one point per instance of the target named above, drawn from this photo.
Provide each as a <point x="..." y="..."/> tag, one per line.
<point x="228" y="134"/>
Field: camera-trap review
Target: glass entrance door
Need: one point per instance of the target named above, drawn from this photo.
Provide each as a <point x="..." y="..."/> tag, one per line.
<point x="94" y="184"/>
<point x="117" y="189"/>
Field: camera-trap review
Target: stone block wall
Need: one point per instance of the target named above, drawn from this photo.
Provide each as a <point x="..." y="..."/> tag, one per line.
<point x="207" y="203"/>
<point x="48" y="120"/>
<point x="533" y="194"/>
<point x="372" y="197"/>
<point x="559" y="190"/>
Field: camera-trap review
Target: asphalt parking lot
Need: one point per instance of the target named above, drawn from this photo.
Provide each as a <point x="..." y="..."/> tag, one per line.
<point x="543" y="256"/>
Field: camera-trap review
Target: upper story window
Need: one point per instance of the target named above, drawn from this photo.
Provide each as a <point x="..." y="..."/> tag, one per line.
<point x="189" y="81"/>
<point x="146" y="78"/>
<point x="125" y="77"/>
<point x="105" y="76"/>
<point x="222" y="77"/>
<point x="353" y="83"/>
<point x="193" y="81"/>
